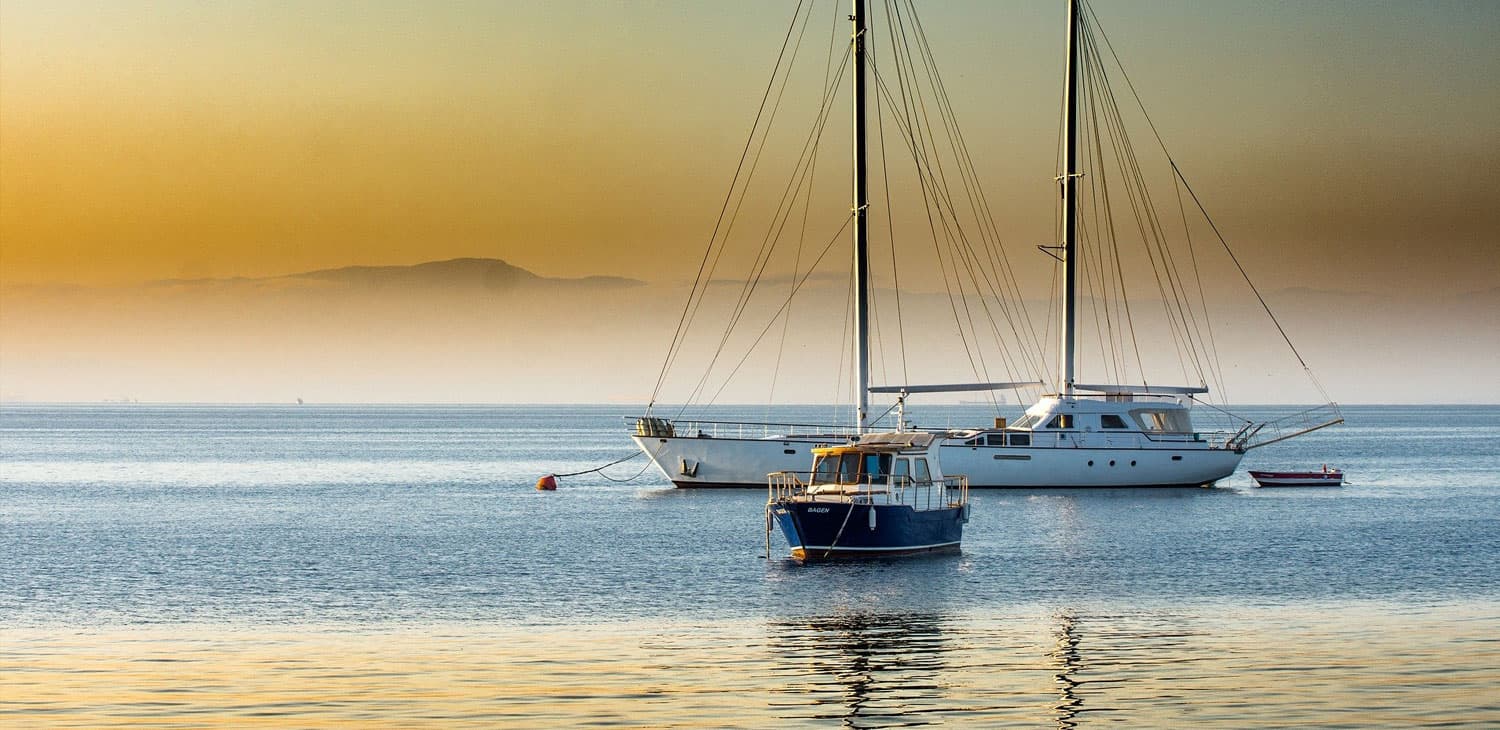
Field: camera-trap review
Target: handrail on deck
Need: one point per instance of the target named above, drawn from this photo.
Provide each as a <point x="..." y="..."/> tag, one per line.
<point x="653" y="426"/>
<point x="951" y="491"/>
<point x="1292" y="426"/>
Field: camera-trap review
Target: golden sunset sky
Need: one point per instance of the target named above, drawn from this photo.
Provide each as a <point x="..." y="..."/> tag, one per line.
<point x="1358" y="140"/>
<point x="1352" y="147"/>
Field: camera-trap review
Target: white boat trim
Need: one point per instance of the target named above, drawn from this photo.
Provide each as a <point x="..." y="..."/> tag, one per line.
<point x="952" y="387"/>
<point x="1143" y="389"/>
<point x="904" y="548"/>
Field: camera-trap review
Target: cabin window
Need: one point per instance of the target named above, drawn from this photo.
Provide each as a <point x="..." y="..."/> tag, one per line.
<point x="849" y="469"/>
<point x="922" y="474"/>
<point x="976" y="441"/>
<point x="903" y="470"/>
<point x="877" y="466"/>
<point x="1020" y="439"/>
<point x="1175" y="421"/>
<point x="1110" y="420"/>
<point x="996" y="439"/>
<point x="826" y="471"/>
<point x="1061" y="420"/>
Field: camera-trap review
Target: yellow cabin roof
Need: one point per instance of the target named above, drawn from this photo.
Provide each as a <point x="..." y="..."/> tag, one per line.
<point x="880" y="443"/>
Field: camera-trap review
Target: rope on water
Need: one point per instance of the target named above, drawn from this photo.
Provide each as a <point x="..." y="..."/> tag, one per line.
<point x="602" y="468"/>
<point x="629" y="478"/>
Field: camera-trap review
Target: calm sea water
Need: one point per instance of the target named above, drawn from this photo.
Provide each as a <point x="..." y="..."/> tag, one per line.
<point x="394" y="566"/>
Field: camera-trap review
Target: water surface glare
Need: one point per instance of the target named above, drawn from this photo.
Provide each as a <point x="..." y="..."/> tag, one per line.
<point x="169" y="566"/>
<point x="1377" y="666"/>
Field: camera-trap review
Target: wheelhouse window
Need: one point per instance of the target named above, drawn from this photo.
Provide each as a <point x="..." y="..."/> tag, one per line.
<point x="826" y="470"/>
<point x="849" y="469"/>
<point x="1110" y="420"/>
<point x="877" y="466"/>
<point x="1061" y="420"/>
<point x="922" y="474"/>
<point x="902" y="470"/>
<point x="1026" y="421"/>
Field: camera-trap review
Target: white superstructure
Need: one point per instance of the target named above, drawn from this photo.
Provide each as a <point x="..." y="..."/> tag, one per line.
<point x="1113" y="440"/>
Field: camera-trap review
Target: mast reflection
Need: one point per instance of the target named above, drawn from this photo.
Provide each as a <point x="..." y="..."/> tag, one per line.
<point x="864" y="669"/>
<point x="1066" y="656"/>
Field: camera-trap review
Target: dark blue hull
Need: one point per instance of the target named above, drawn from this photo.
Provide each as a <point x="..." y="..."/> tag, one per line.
<point x="834" y="530"/>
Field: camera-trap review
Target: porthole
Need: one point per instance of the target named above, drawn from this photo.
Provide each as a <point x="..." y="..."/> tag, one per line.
<point x="1091" y="462"/>
<point x="1111" y="462"/>
<point x="1132" y="462"/>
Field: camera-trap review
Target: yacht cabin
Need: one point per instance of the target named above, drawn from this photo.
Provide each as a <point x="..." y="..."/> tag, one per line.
<point x="1070" y="421"/>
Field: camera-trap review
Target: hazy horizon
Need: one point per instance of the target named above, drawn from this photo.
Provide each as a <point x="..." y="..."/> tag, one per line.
<point x="463" y="333"/>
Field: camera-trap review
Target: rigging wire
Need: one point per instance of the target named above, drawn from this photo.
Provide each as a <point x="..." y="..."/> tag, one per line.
<point x="1214" y="362"/>
<point x="979" y="202"/>
<point x="779" y="218"/>
<point x="786" y="321"/>
<point x="890" y="223"/>
<point x="957" y="244"/>
<point x="778" y="224"/>
<point x="1177" y="172"/>
<point x="969" y="271"/>
<point x="846" y="344"/>
<point x="1103" y="204"/>
<point x="684" y="321"/>
<point x="800" y="282"/>
<point x="915" y="142"/>
<point x="910" y="122"/>
<point x="1103" y="299"/>
<point x="953" y="231"/>
<point x="1140" y="206"/>
<point x="1253" y="288"/>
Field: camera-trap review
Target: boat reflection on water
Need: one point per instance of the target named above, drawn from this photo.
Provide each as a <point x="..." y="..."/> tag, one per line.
<point x="900" y="669"/>
<point x="866" y="669"/>
<point x="1068" y="663"/>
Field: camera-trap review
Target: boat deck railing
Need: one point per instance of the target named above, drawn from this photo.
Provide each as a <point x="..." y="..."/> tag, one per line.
<point x="919" y="494"/>
<point x="1281" y="429"/>
<point x="651" y="426"/>
<point x="662" y="427"/>
<point x="1214" y="439"/>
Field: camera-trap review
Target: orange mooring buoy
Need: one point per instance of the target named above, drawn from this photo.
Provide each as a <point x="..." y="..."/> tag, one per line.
<point x="547" y="483"/>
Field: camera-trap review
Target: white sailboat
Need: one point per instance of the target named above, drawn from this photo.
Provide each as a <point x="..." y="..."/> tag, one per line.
<point x="1079" y="435"/>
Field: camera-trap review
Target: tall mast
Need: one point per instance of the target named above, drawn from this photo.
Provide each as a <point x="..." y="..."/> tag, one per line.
<point x="861" y="224"/>
<point x="1070" y="205"/>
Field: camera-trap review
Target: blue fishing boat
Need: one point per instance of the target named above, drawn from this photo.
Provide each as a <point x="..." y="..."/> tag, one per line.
<point x="883" y="495"/>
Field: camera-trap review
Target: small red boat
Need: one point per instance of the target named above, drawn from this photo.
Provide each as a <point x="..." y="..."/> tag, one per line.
<point x="1326" y="478"/>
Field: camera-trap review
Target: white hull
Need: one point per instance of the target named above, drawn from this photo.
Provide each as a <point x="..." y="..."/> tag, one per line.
<point x="1070" y="467"/>
<point x="744" y="462"/>
<point x="728" y="462"/>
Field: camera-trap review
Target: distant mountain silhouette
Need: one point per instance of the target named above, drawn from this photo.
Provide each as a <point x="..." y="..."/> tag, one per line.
<point x="465" y="273"/>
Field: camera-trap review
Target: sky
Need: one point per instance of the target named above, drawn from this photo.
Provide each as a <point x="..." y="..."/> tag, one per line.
<point x="1344" y="146"/>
